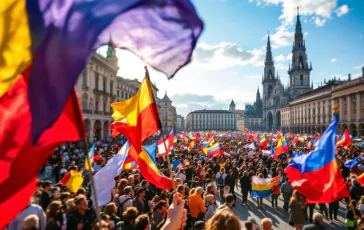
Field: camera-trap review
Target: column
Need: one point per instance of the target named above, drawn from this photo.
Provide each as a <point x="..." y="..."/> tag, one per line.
<point x="358" y="107"/>
<point x="348" y="102"/>
<point x="341" y="111"/>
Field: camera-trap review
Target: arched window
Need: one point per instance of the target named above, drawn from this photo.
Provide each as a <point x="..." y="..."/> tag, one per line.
<point x="84" y="78"/>
<point x="96" y="81"/>
<point x="270" y="75"/>
<point x="301" y="79"/>
<point x="84" y="101"/>
<point x="301" y="62"/>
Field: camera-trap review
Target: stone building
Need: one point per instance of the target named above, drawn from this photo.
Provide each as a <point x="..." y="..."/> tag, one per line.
<point x="312" y="111"/>
<point x="167" y="113"/>
<point x="180" y="123"/>
<point x="240" y="124"/>
<point x="253" y="114"/>
<point x="97" y="90"/>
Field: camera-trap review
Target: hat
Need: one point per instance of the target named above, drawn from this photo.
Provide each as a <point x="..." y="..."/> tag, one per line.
<point x="209" y="197"/>
<point x="199" y="224"/>
<point x="361" y="208"/>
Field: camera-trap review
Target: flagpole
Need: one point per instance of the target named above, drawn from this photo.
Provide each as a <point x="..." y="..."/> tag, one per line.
<point x="164" y="143"/>
<point x="93" y="186"/>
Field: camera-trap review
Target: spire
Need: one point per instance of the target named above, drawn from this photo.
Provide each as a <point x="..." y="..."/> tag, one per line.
<point x="258" y="90"/>
<point x="268" y="56"/>
<point x="310" y="65"/>
<point x="298" y="23"/>
<point x="111" y="52"/>
<point x="311" y="84"/>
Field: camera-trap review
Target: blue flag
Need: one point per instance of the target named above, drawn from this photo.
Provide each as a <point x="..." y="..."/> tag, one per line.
<point x="361" y="144"/>
<point x="151" y="150"/>
<point x="351" y="163"/>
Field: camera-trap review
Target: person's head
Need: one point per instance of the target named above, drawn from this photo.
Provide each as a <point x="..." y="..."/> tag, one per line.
<point x="81" y="191"/>
<point x="70" y="206"/>
<point x="46" y="185"/>
<point x="223" y="219"/>
<point x="318" y="218"/>
<point x="110" y="209"/>
<point x="210" y="199"/>
<point x="142" y="222"/>
<point x="199" y="190"/>
<point x="128" y="190"/>
<point x="137" y="177"/>
<point x="54" y="208"/>
<point x="55" y="192"/>
<point x="145" y="184"/>
<point x="65" y="196"/>
<point x="222" y="170"/>
<point x="161" y="206"/>
<point x="31" y="222"/>
<point x="130" y="214"/>
<point x="81" y="203"/>
<point x="231" y="172"/>
<point x="249" y="225"/>
<point x="266" y="224"/>
<point x="181" y="189"/>
<point x="141" y="192"/>
<point x="192" y="191"/>
<point x="229" y="199"/>
<point x="131" y="179"/>
<point x="209" y="189"/>
<point x="104" y="225"/>
<point x="199" y="225"/>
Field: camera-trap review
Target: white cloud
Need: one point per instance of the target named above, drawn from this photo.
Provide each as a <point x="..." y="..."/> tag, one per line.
<point x="342" y="10"/>
<point x="333" y="60"/>
<point x="280" y="58"/>
<point x="280" y="66"/>
<point x="358" y="66"/>
<point x="226" y="55"/>
<point x="320" y="12"/>
<point x="289" y="57"/>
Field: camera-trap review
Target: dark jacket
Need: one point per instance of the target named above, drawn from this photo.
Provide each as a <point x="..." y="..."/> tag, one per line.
<point x="356" y="191"/>
<point x="44" y="200"/>
<point x="230" y="180"/>
<point x="76" y="218"/>
<point x="245" y="183"/>
<point x="138" y="204"/>
<point x="314" y="227"/>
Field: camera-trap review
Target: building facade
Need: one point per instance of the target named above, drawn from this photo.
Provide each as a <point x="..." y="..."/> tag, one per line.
<point x="253" y="114"/>
<point x="211" y="120"/>
<point x="312" y="111"/>
<point x="275" y="94"/>
<point x="167" y="113"/>
<point x="180" y="123"/>
<point x="97" y="89"/>
<point x="240" y="124"/>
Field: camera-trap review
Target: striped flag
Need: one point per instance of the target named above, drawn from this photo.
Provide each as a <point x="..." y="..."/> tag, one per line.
<point x="73" y="180"/>
<point x="262" y="187"/>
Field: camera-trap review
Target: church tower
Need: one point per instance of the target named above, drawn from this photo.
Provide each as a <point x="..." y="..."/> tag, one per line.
<point x="299" y="70"/>
<point x="232" y="106"/>
<point x="111" y="55"/>
<point x="269" y="78"/>
<point x="258" y="104"/>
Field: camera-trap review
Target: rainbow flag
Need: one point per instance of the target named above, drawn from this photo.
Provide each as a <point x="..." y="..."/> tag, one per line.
<point x="129" y="163"/>
<point x="262" y="187"/>
<point x="263" y="141"/>
<point x="317" y="174"/>
<point x="345" y="139"/>
<point x="214" y="150"/>
<point x="281" y="147"/>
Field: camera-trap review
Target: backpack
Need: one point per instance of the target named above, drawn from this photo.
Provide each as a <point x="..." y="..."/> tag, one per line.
<point x="121" y="209"/>
<point x="220" y="180"/>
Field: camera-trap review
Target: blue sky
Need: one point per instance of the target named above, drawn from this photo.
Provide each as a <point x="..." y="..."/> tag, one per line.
<point x="229" y="59"/>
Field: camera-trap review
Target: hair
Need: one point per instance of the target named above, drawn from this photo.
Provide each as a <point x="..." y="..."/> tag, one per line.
<point x="46" y="183"/>
<point x="141" y="222"/>
<point x="110" y="209"/>
<point x="317" y="217"/>
<point x="127" y="190"/>
<point x="65" y="195"/>
<point x="53" y="208"/>
<point x="159" y="205"/>
<point x="140" y="190"/>
<point x="55" y="189"/>
<point x="260" y="175"/>
<point x="180" y="188"/>
<point x="295" y="197"/>
<point x="229" y="198"/>
<point x="199" y="190"/>
<point x="222" y="170"/>
<point x="31" y="222"/>
<point x="192" y="191"/>
<point x="248" y="225"/>
<point x="130" y="214"/>
<point x="81" y="191"/>
<point x="264" y="220"/>
<point x="79" y="198"/>
<point x="104" y="224"/>
<point x="223" y="219"/>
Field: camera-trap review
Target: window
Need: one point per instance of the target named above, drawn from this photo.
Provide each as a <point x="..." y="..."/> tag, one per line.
<point x="104" y="107"/>
<point x="97" y="105"/>
<point x="84" y="101"/>
<point x="301" y="79"/>
<point x="96" y="81"/>
<point x="104" y="84"/>
<point x="301" y="65"/>
<point x="84" y="78"/>
<point x="111" y="87"/>
<point x="118" y="93"/>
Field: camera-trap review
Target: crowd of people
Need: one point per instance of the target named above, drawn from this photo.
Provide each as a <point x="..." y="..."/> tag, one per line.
<point x="204" y="182"/>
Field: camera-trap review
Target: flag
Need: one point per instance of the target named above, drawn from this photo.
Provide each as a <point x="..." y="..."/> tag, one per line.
<point x="344" y="140"/>
<point x="361" y="144"/>
<point x="191" y="145"/>
<point x="249" y="146"/>
<point x="51" y="36"/>
<point x="263" y="141"/>
<point x="104" y="179"/>
<point x="262" y="187"/>
<point x="246" y="130"/>
<point x="308" y="146"/>
<point x="73" y="180"/>
<point x="317" y="175"/>
<point x="267" y="153"/>
<point x="20" y="160"/>
<point x="281" y="147"/>
<point x="90" y="156"/>
<point x="361" y="179"/>
<point x="169" y="140"/>
<point x="250" y="138"/>
<point x="129" y="162"/>
<point x="351" y="163"/>
<point x="214" y="150"/>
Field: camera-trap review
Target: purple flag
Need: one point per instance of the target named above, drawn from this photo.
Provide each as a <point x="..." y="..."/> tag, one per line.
<point x="66" y="33"/>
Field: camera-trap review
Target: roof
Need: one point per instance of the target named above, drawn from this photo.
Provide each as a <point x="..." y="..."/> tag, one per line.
<point x="315" y="91"/>
<point x="211" y="111"/>
<point x="166" y="98"/>
<point x="239" y="111"/>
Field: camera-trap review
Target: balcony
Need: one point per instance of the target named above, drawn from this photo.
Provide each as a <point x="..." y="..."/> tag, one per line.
<point x="88" y="111"/>
<point x="84" y="87"/>
<point x="97" y="91"/>
<point x="98" y="112"/>
<point x="107" y="113"/>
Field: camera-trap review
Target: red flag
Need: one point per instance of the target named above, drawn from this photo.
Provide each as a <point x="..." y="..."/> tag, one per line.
<point x="20" y="161"/>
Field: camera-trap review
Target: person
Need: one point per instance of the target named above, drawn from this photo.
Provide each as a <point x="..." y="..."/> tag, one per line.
<point x="53" y="210"/>
<point x="177" y="215"/>
<point x="223" y="219"/>
<point x="356" y="190"/>
<point x="286" y="190"/>
<point x="196" y="205"/>
<point x="31" y="209"/>
<point x="140" y="203"/>
<point x="297" y="215"/>
<point x="148" y="192"/>
<point x="110" y="209"/>
<point x="275" y="195"/>
<point x="142" y="222"/>
<point x="181" y="175"/>
<point x="129" y="216"/>
<point x="229" y="202"/>
<point x="266" y="224"/>
<point x="333" y="209"/>
<point x="159" y="212"/>
<point x="199" y="225"/>
<point x="246" y="185"/>
<point x="104" y="225"/>
<point x="125" y="200"/>
<point x="250" y="224"/>
<point x="83" y="217"/>
<point x="45" y="199"/>
<point x="231" y="181"/>
<point x="351" y="216"/>
<point x="210" y="206"/>
<point x="220" y="181"/>
<point x="317" y="224"/>
<point x="30" y="222"/>
<point x="260" y="199"/>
